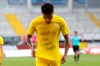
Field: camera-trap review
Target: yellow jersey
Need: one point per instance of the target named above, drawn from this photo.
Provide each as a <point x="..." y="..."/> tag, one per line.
<point x="1" y="42"/>
<point x="48" y="36"/>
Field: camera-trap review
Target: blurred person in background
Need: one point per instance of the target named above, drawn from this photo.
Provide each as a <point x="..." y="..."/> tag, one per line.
<point x="75" y="41"/>
<point x="1" y="50"/>
<point x="48" y="27"/>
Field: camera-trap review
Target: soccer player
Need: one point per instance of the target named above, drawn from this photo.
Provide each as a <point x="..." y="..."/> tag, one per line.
<point x="48" y="27"/>
<point x="1" y="50"/>
<point x="75" y="40"/>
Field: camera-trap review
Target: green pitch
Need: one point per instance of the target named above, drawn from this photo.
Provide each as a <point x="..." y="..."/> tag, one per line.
<point x="85" y="60"/>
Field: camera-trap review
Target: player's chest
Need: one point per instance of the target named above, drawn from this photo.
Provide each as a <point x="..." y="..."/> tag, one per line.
<point x="51" y="26"/>
<point x="75" y="39"/>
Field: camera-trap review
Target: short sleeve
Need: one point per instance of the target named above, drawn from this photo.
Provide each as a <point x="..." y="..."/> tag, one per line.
<point x="80" y="37"/>
<point x="64" y="27"/>
<point x="31" y="28"/>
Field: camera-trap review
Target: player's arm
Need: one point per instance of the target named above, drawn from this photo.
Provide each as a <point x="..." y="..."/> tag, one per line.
<point x="29" y="41"/>
<point x="30" y="45"/>
<point x="1" y="48"/>
<point x="81" y="39"/>
<point x="30" y="32"/>
<point x="70" y="42"/>
<point x="66" y="45"/>
<point x="65" y="31"/>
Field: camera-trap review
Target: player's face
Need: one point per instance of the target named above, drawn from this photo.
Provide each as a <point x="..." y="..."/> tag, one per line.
<point x="48" y="18"/>
<point x="75" y="34"/>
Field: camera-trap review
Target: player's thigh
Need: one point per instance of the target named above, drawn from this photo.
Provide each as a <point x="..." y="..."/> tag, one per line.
<point x="77" y="49"/>
<point x="54" y="63"/>
<point x="41" y="62"/>
<point x="45" y="62"/>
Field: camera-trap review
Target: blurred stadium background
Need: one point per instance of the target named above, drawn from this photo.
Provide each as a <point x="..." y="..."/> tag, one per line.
<point x="80" y="15"/>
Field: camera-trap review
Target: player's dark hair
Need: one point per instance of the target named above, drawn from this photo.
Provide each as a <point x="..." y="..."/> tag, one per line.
<point x="47" y="8"/>
<point x="75" y="32"/>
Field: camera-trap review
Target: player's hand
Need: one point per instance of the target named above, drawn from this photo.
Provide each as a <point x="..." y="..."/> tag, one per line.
<point x="33" y="53"/>
<point x="63" y="60"/>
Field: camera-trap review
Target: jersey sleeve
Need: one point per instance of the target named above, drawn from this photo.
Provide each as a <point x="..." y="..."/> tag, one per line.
<point x="31" y="28"/>
<point x="1" y="40"/>
<point x="64" y="27"/>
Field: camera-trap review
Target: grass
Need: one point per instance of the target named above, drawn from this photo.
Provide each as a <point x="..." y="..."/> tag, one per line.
<point x="85" y="60"/>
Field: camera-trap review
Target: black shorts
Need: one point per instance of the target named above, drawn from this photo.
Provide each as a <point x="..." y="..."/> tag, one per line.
<point x="75" y="48"/>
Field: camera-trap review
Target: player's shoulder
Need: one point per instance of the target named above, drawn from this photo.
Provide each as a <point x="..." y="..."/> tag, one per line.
<point x="37" y="19"/>
<point x="79" y="36"/>
<point x="73" y="36"/>
<point x="58" y="17"/>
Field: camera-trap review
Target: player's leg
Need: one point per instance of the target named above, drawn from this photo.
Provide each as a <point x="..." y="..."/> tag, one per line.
<point x="41" y="62"/>
<point x="46" y="62"/>
<point x="76" y="51"/>
<point x="78" y="54"/>
<point x="75" y="54"/>
<point x="54" y="63"/>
